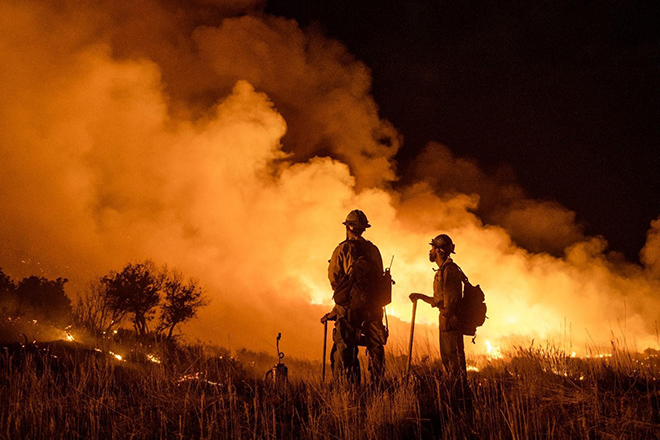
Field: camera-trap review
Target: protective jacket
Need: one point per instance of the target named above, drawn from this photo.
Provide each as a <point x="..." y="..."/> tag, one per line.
<point x="447" y="291"/>
<point x="345" y="268"/>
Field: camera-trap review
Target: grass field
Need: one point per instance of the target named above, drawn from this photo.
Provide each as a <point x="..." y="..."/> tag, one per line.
<point x="67" y="390"/>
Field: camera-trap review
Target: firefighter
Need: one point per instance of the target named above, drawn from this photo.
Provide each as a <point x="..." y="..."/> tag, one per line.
<point x="352" y="270"/>
<point x="447" y="291"/>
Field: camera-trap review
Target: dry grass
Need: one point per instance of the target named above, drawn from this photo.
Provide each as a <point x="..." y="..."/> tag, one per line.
<point x="197" y="393"/>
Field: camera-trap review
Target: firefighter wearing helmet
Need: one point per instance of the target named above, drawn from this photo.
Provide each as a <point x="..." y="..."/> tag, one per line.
<point x="357" y="318"/>
<point x="447" y="292"/>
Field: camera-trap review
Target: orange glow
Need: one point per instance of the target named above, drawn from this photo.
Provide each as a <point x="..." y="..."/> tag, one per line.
<point x="153" y="358"/>
<point x="493" y="352"/>
<point x="119" y="144"/>
<point x="116" y="356"/>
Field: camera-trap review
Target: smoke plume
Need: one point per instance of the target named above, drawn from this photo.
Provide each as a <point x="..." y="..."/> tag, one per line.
<point x="231" y="144"/>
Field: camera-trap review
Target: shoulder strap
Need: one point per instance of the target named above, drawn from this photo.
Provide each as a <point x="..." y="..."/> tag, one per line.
<point x="465" y="278"/>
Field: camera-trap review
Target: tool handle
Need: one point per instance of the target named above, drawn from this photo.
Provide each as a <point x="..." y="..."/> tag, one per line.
<point x="325" y="344"/>
<point x="412" y="334"/>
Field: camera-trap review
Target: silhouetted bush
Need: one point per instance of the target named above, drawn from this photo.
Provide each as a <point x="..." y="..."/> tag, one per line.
<point x="8" y="300"/>
<point x="35" y="298"/>
<point x="135" y="294"/>
<point x="135" y="291"/>
<point x="181" y="300"/>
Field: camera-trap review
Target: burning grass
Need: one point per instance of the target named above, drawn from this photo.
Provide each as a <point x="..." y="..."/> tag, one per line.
<point x="65" y="390"/>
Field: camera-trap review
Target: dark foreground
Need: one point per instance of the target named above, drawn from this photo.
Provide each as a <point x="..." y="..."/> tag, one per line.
<point x="66" y="390"/>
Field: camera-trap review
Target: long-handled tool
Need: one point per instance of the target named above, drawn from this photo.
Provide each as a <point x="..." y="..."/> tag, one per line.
<point x="412" y="334"/>
<point x="325" y="345"/>
<point x="330" y="316"/>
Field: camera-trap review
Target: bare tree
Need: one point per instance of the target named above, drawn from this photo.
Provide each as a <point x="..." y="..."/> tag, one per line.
<point x="181" y="301"/>
<point x="135" y="291"/>
<point x="92" y="309"/>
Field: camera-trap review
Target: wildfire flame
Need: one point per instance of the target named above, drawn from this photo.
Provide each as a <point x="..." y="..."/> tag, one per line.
<point x="493" y="352"/>
<point x="198" y="376"/>
<point x="153" y="358"/>
<point x="116" y="356"/>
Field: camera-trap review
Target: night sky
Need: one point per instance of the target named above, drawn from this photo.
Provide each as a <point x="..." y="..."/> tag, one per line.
<point x="564" y="95"/>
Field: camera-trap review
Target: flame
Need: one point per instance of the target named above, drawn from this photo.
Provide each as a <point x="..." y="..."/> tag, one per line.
<point x="197" y="376"/>
<point x="116" y="356"/>
<point x="153" y="358"/>
<point x="493" y="352"/>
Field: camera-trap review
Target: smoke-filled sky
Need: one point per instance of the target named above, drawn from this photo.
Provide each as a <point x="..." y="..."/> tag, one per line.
<point x="563" y="95"/>
<point x="230" y="143"/>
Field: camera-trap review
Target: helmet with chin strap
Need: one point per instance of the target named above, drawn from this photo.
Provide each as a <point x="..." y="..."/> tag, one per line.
<point x="443" y="242"/>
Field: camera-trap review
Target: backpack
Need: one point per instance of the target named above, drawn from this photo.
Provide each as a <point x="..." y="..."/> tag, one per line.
<point x="471" y="308"/>
<point x="369" y="284"/>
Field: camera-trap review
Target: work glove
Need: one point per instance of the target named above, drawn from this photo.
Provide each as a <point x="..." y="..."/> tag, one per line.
<point x="330" y="316"/>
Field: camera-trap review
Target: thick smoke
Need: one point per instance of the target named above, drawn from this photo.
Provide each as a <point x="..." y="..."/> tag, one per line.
<point x="539" y="226"/>
<point x="651" y="252"/>
<point x="231" y="145"/>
